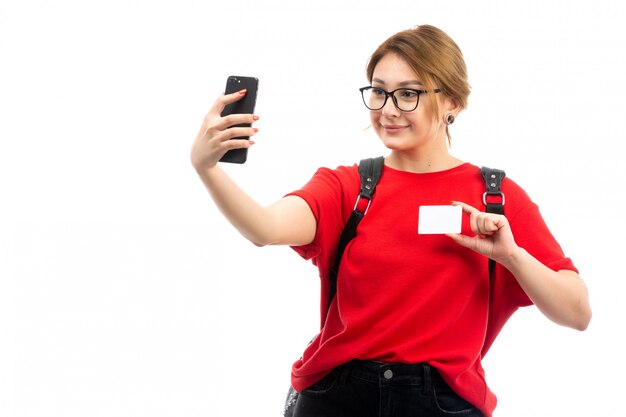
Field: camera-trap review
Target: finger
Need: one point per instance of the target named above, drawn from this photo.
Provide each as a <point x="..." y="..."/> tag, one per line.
<point x="499" y="222"/>
<point x="478" y="223"/>
<point x="474" y="219"/>
<point x="491" y="224"/>
<point x="467" y="209"/>
<point x="481" y="223"/>
<point x="225" y="99"/>
<point x="237" y="132"/>
<point x="235" y="119"/>
<point x="236" y="144"/>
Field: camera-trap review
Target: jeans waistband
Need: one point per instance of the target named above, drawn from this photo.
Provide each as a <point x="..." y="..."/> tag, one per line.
<point x="390" y="373"/>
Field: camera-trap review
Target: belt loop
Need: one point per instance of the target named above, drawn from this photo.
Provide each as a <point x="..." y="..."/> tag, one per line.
<point x="427" y="379"/>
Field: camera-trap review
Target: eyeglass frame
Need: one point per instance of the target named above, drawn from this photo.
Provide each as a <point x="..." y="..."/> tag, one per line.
<point x="393" y="97"/>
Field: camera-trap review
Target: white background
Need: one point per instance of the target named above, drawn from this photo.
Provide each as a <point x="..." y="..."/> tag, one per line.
<point x="123" y="292"/>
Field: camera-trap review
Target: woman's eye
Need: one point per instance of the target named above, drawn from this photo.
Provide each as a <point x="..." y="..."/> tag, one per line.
<point x="408" y="94"/>
<point x="378" y="92"/>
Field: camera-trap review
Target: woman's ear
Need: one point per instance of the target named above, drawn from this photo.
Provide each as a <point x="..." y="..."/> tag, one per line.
<point x="450" y="109"/>
<point x="452" y="105"/>
<point x="448" y="105"/>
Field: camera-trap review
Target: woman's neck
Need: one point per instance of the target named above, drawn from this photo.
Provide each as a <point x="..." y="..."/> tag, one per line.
<point x="413" y="162"/>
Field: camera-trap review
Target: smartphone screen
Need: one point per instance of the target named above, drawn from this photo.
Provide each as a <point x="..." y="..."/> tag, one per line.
<point x="243" y="106"/>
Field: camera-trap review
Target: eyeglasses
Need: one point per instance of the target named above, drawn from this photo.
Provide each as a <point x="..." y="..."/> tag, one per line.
<point x="405" y="99"/>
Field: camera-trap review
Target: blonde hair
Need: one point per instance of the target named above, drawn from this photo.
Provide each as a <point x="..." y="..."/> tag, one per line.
<point x="436" y="59"/>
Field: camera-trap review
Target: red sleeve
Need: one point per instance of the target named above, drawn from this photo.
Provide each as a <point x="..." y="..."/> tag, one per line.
<point x="532" y="234"/>
<point x="329" y="194"/>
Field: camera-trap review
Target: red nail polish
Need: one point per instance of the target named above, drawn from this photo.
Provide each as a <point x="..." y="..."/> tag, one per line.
<point x="255" y="117"/>
<point x="242" y="92"/>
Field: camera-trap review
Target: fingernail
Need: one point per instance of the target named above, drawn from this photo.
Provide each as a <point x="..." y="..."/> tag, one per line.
<point x="244" y="91"/>
<point x="252" y="142"/>
<point x="255" y="129"/>
<point x="255" y="117"/>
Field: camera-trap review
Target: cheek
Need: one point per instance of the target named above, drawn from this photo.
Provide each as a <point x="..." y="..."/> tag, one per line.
<point x="374" y="118"/>
<point x="422" y="121"/>
<point x="375" y="121"/>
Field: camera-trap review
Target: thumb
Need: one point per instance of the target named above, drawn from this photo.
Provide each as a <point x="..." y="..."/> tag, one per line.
<point x="462" y="240"/>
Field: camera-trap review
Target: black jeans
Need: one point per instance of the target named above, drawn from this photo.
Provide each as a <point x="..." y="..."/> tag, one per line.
<point x="372" y="389"/>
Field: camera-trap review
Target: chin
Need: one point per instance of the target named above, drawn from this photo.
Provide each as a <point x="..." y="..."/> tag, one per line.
<point x="395" y="143"/>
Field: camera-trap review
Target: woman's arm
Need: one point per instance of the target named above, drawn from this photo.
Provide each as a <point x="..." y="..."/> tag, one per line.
<point x="561" y="296"/>
<point x="289" y="221"/>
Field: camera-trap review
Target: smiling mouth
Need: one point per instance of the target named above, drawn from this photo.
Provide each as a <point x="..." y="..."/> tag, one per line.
<point x="393" y="128"/>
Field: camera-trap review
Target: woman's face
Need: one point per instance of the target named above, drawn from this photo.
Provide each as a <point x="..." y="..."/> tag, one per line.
<point x="400" y="130"/>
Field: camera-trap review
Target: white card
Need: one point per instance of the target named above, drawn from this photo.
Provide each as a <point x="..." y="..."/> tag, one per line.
<point x="433" y="220"/>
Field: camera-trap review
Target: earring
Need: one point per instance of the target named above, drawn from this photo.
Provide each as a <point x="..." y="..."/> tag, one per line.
<point x="449" y="119"/>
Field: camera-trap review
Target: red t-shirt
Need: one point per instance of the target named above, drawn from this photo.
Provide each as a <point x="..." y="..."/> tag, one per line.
<point x="408" y="298"/>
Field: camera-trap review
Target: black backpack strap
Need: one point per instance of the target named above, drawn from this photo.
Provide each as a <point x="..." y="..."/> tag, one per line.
<point x="493" y="198"/>
<point x="370" y="171"/>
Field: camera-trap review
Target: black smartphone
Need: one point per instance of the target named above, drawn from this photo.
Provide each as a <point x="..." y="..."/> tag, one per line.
<point x="245" y="105"/>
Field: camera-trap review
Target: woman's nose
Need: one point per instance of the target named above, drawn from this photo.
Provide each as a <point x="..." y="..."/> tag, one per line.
<point x="390" y="109"/>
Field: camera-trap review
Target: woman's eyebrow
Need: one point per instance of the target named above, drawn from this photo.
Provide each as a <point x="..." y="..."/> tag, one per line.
<point x="402" y="84"/>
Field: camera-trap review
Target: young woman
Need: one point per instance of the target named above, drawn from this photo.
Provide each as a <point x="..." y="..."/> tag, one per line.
<point x="412" y="317"/>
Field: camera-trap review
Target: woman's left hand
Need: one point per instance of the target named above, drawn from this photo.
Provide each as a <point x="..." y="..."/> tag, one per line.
<point x="493" y="239"/>
<point x="562" y="296"/>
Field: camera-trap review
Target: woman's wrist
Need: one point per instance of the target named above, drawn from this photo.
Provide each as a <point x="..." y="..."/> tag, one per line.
<point x="205" y="171"/>
<point x="515" y="260"/>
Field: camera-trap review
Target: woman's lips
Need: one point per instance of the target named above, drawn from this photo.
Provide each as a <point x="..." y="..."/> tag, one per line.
<point x="393" y="128"/>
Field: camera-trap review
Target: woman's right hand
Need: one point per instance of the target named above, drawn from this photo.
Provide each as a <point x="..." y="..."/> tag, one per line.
<point x="289" y="221"/>
<point x="214" y="138"/>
